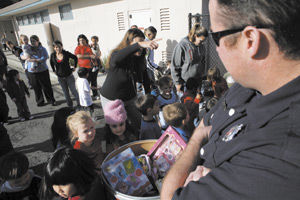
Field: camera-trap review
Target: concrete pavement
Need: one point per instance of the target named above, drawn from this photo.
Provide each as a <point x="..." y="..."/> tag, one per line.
<point x="33" y="137"/>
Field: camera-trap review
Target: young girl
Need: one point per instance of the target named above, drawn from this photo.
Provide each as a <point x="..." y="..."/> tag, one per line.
<point x="118" y="131"/>
<point x="71" y="174"/>
<point x="84" y="137"/>
<point x="17" y="89"/>
<point x="167" y="96"/>
<point x="27" y="52"/>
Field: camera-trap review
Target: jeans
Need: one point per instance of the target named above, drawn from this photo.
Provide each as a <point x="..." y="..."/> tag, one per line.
<point x="67" y="83"/>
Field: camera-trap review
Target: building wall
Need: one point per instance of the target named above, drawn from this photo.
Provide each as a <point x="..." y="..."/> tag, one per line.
<point x="99" y="17"/>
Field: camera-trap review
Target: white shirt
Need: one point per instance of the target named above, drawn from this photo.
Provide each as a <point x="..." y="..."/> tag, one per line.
<point x="84" y="92"/>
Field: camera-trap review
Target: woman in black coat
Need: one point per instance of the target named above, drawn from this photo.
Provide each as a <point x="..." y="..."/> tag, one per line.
<point x="60" y="63"/>
<point x="127" y="66"/>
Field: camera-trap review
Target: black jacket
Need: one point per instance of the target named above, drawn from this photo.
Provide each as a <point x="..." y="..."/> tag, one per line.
<point x="17" y="91"/>
<point x="3" y="64"/>
<point x="125" y="70"/>
<point x="17" y="52"/>
<point x="63" y="68"/>
<point x="3" y="107"/>
<point x="253" y="148"/>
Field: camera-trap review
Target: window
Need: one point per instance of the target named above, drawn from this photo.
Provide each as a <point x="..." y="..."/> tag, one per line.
<point x="34" y="18"/>
<point x="38" y="18"/>
<point x="45" y="16"/>
<point x="31" y="19"/>
<point x="25" y="20"/>
<point x="65" y="12"/>
<point x="20" y="21"/>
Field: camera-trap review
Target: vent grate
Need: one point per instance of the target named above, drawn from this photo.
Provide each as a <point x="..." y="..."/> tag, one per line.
<point x="165" y="19"/>
<point x="121" y="21"/>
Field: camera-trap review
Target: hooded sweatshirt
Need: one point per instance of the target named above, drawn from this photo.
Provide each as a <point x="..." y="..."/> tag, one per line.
<point x="188" y="60"/>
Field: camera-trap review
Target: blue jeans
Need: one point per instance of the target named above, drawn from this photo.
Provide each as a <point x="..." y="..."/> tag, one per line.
<point x="67" y="83"/>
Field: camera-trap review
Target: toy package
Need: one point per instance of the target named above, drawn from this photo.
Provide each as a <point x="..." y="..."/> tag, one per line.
<point x="165" y="151"/>
<point x="125" y="174"/>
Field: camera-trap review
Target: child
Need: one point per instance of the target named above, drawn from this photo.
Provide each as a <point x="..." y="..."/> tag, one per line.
<point x="217" y="82"/>
<point x="27" y="52"/>
<point x="96" y="65"/>
<point x="60" y="134"/>
<point x="20" y="182"/>
<point x="167" y="96"/>
<point x="117" y="129"/>
<point x="177" y="116"/>
<point x="191" y="99"/>
<point x="83" y="136"/>
<point x="167" y="71"/>
<point x="17" y="89"/>
<point x="150" y="34"/>
<point x="71" y="174"/>
<point x="84" y="90"/>
<point x="149" y="108"/>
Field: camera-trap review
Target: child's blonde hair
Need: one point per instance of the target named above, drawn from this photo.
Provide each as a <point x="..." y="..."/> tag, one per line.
<point x="22" y="38"/>
<point x="174" y="114"/>
<point x="80" y="117"/>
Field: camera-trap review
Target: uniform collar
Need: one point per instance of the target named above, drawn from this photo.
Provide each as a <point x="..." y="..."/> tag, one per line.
<point x="262" y="109"/>
<point x="238" y="97"/>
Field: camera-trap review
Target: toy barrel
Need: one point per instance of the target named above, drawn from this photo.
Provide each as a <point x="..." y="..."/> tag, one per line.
<point x="138" y="148"/>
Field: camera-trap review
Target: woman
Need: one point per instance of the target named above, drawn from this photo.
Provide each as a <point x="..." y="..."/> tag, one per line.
<point x="60" y="63"/>
<point x="39" y="74"/>
<point x="85" y="54"/>
<point x="127" y="66"/>
<point x="188" y="58"/>
<point x="71" y="174"/>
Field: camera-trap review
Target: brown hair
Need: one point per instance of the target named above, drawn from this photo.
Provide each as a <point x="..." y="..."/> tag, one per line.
<point x="36" y="38"/>
<point x="174" y="114"/>
<point x="281" y="16"/>
<point x="197" y="30"/>
<point x="127" y="39"/>
<point x="80" y="117"/>
<point x="213" y="74"/>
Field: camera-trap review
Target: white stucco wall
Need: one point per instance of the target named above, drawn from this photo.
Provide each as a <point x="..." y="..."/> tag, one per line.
<point x="99" y="17"/>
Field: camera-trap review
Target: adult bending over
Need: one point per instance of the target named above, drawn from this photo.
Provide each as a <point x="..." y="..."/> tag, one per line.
<point x="127" y="65"/>
<point x="39" y="74"/>
<point x="60" y="63"/>
<point x="188" y="59"/>
<point x="254" y="144"/>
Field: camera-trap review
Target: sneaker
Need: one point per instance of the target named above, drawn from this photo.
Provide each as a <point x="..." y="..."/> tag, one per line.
<point x="22" y="119"/>
<point x="31" y="117"/>
<point x="54" y="103"/>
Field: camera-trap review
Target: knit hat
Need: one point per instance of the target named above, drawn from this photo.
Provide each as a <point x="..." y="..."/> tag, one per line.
<point x="114" y="112"/>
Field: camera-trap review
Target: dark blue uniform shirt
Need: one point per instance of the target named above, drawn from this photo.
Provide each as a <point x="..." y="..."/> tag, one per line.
<point x="254" y="147"/>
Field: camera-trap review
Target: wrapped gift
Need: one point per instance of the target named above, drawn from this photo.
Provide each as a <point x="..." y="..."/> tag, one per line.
<point x="125" y="174"/>
<point x="166" y="150"/>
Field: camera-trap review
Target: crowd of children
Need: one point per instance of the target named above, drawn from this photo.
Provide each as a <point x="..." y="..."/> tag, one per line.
<point x="75" y="166"/>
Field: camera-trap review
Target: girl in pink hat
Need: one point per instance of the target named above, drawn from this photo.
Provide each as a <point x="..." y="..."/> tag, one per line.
<point x="118" y="131"/>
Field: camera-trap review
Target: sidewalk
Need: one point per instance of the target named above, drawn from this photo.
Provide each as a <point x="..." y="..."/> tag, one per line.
<point x="13" y="62"/>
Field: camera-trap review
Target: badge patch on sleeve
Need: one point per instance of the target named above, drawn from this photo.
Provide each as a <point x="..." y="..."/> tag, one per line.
<point x="232" y="132"/>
